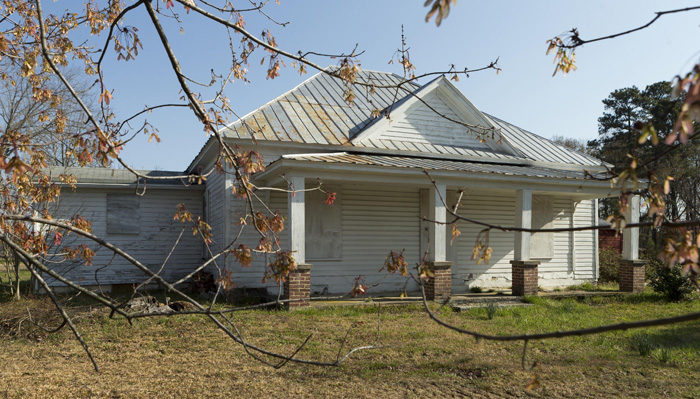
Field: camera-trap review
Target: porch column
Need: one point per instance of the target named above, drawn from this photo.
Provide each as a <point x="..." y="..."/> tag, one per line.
<point x="525" y="280"/>
<point x="439" y="286"/>
<point x="631" y="276"/>
<point x="298" y="284"/>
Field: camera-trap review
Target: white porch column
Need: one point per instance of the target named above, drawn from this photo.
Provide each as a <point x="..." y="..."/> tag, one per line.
<point x="630" y="236"/>
<point x="437" y="231"/>
<point x="523" y="219"/>
<point x="296" y="224"/>
<point x="631" y="276"/>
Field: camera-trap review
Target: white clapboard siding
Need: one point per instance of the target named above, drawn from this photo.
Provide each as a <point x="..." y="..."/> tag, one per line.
<point x="498" y="208"/>
<point x="216" y="217"/>
<point x="236" y="209"/>
<point x="494" y="208"/>
<point x="423" y="125"/>
<point x="559" y="267"/>
<point x="157" y="237"/>
<point x="374" y="219"/>
<point x="584" y="241"/>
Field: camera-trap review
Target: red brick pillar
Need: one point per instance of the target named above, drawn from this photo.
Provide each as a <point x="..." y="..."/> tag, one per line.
<point x="525" y="280"/>
<point x="298" y="286"/>
<point x="440" y="285"/>
<point x="631" y="276"/>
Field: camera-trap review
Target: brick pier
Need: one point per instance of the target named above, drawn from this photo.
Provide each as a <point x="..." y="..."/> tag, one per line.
<point x="440" y="285"/>
<point x="525" y="280"/>
<point x="298" y="286"/>
<point x="631" y="277"/>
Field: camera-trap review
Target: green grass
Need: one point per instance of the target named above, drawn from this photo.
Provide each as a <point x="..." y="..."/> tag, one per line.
<point x="186" y="356"/>
<point x="6" y="280"/>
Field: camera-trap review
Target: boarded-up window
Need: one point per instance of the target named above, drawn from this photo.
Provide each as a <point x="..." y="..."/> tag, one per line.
<point x="123" y="214"/>
<point x="324" y="233"/>
<point x="542" y="243"/>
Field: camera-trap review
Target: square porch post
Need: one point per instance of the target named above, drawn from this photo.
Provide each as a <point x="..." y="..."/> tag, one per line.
<point x="525" y="279"/>
<point x="439" y="286"/>
<point x="298" y="284"/>
<point x="631" y="276"/>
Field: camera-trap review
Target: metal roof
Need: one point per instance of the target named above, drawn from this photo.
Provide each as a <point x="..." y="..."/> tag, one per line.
<point x="538" y="148"/>
<point x="437" y="164"/>
<point x="315" y="112"/>
<point x="106" y="176"/>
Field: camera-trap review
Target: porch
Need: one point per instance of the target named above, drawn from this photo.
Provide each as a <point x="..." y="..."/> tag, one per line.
<point x="506" y="195"/>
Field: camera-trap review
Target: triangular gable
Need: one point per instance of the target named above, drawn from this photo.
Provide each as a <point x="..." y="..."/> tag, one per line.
<point x="431" y="116"/>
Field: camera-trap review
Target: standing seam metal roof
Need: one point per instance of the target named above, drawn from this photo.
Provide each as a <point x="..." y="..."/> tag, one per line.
<point x="315" y="112"/>
<point x="437" y="164"/>
<point x="538" y="148"/>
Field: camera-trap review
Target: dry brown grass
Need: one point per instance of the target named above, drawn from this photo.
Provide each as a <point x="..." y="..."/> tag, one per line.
<point x="188" y="357"/>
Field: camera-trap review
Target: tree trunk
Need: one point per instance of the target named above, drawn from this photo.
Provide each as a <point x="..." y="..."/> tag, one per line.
<point x="17" y="263"/>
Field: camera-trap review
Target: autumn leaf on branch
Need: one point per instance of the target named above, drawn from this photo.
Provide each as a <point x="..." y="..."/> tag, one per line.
<point x="440" y="9"/>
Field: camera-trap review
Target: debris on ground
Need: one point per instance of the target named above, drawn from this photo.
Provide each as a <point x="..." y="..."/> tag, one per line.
<point x="202" y="282"/>
<point x="151" y="305"/>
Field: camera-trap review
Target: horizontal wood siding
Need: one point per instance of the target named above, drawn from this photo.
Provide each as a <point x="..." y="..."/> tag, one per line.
<point x="375" y="220"/>
<point x="423" y="125"/>
<point x="584" y="241"/>
<point x="499" y="209"/>
<point x="559" y="266"/>
<point x="491" y="208"/>
<point x="216" y="193"/>
<point x="158" y="235"/>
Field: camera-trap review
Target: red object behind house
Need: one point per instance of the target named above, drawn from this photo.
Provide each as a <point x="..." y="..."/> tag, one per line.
<point x="608" y="239"/>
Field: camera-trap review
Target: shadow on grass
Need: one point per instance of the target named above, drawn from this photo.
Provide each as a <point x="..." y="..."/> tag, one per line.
<point x="680" y="336"/>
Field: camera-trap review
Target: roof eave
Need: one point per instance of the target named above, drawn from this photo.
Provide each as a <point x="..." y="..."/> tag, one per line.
<point x="578" y="187"/>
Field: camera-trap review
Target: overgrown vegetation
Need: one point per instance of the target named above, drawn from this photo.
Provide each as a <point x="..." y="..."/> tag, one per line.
<point x="670" y="282"/>
<point x="184" y="357"/>
<point x="609" y="265"/>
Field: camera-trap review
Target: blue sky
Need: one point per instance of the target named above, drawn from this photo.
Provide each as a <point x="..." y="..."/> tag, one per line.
<point x="475" y="33"/>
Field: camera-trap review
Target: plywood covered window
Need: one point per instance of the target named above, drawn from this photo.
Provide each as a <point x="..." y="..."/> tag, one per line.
<point x="324" y="232"/>
<point x="542" y="243"/>
<point x="123" y="214"/>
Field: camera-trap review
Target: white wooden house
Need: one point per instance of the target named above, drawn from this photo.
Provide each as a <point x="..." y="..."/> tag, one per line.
<point x="376" y="166"/>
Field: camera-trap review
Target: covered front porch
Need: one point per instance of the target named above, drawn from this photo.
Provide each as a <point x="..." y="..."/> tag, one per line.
<point x="388" y="204"/>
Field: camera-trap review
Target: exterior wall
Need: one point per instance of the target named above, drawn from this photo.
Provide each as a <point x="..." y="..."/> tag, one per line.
<point x="565" y="267"/>
<point x="378" y="219"/>
<point x="215" y="195"/>
<point x="585" y="242"/>
<point x="158" y="233"/>
<point x="610" y="238"/>
<point x="423" y="125"/>
<point x="374" y="221"/>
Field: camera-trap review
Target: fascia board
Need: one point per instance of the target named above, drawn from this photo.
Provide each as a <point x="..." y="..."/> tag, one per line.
<point x="415" y="176"/>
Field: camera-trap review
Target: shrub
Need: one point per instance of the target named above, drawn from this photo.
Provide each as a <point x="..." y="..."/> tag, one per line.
<point x="609" y="265"/>
<point x="669" y="281"/>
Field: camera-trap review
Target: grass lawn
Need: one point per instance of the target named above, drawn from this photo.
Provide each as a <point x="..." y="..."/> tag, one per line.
<point x="186" y="356"/>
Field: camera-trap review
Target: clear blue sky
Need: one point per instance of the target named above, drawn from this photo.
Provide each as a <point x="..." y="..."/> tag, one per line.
<point x="475" y="33"/>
